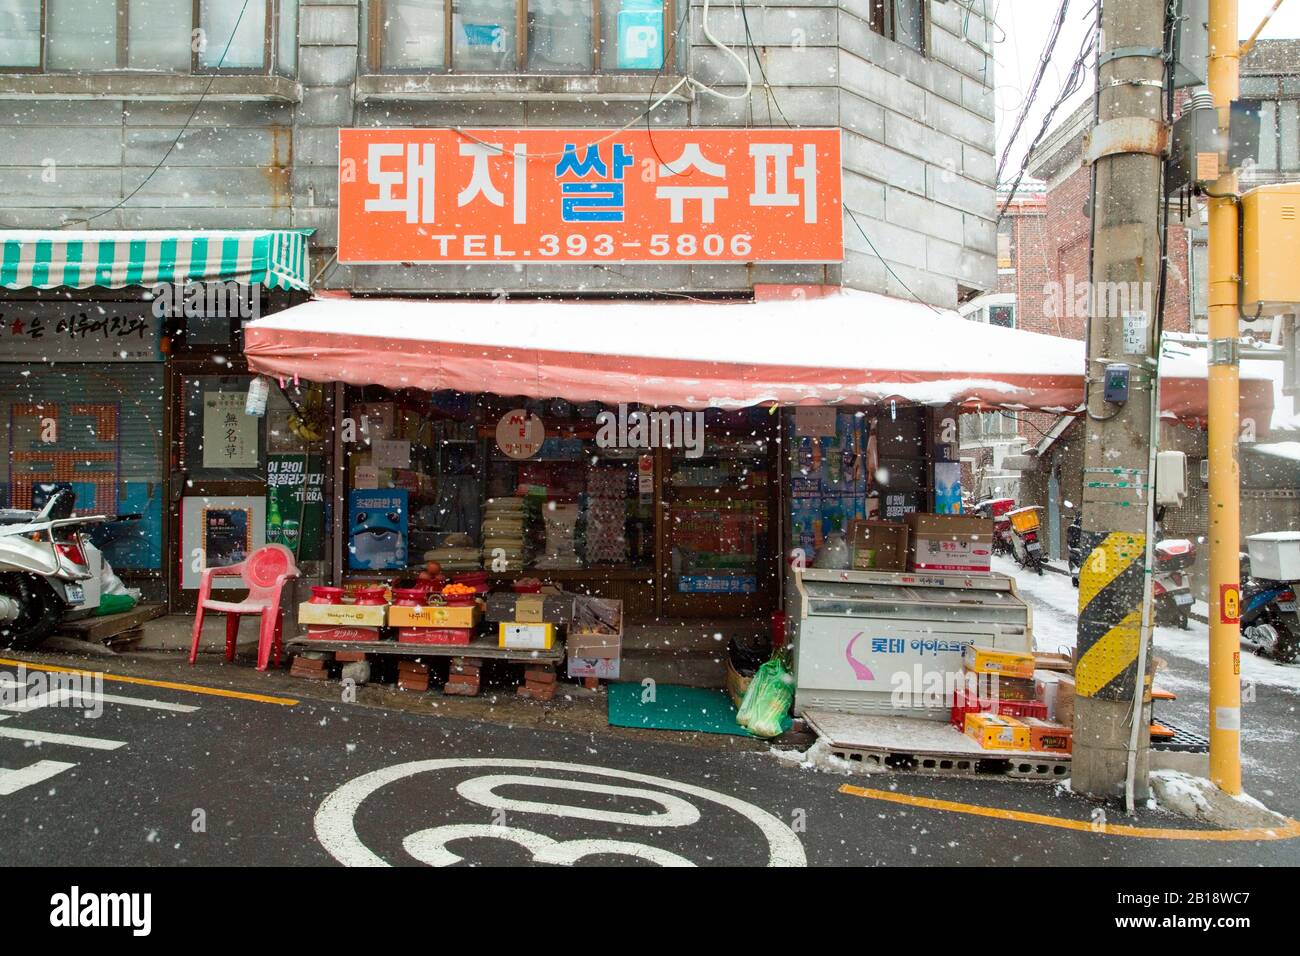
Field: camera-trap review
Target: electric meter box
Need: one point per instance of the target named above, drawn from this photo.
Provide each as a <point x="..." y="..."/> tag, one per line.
<point x="1191" y="42"/>
<point x="1171" y="478"/>
<point x="1270" y="249"/>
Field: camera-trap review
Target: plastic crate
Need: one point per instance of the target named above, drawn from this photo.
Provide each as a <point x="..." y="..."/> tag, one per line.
<point x="964" y="704"/>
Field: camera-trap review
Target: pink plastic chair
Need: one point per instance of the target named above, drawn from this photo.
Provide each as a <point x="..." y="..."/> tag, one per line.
<point x="265" y="572"/>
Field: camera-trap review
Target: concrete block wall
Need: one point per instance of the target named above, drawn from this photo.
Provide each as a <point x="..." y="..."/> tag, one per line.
<point x="918" y="159"/>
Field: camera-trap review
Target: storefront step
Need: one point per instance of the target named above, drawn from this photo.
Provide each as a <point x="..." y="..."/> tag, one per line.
<point x="671" y="667"/>
<point x="694" y="637"/>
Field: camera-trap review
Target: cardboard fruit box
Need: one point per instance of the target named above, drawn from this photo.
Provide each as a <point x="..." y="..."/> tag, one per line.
<point x="523" y="636"/>
<point x="878" y="545"/>
<point x="343" y="615"/>
<point x="1047" y="737"/>
<point x="435" y="615"/>
<point x="955" y="544"/>
<point x="605" y="668"/>
<point x="986" y="660"/>
<point x="435" y="635"/>
<point x="994" y="732"/>
<point x="328" y="632"/>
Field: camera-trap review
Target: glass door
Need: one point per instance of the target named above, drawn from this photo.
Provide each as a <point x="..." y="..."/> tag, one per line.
<point x="218" y="480"/>
<point x="719" y="503"/>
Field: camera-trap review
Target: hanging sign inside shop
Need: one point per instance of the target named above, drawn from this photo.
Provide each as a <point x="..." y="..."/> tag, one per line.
<point x="229" y="436"/>
<point x="519" y="434"/>
<point x="62" y="331"/>
<point x="589" y="195"/>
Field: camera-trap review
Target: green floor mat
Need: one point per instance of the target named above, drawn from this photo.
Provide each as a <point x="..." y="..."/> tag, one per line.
<point x="673" y="707"/>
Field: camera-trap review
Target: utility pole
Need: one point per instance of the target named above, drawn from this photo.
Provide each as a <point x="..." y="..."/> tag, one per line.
<point x="1224" y="412"/>
<point x="1126" y="152"/>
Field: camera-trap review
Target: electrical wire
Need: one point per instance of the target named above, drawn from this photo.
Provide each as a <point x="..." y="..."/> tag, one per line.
<point x="1073" y="82"/>
<point x="1044" y="60"/>
<point x="888" y="267"/>
<point x="188" y="120"/>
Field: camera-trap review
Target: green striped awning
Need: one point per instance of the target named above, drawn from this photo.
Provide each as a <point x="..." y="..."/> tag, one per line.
<point x="275" y="258"/>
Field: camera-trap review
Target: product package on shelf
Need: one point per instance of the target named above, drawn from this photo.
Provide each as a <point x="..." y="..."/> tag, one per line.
<point x="504" y="533"/>
<point x="456" y="553"/>
<point x="606" y="526"/>
<point x="561" y="524"/>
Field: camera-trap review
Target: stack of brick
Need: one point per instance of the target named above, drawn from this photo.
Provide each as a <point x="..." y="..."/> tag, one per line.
<point x="539" y="683"/>
<point x="311" y="668"/>
<point x="463" y="676"/>
<point x="412" y="675"/>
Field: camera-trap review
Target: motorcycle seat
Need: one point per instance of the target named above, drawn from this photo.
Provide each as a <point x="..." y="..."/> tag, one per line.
<point x="16" y="516"/>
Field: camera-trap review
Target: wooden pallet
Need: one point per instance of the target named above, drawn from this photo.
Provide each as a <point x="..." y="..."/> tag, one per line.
<point x="926" y="746"/>
<point x="113" y="628"/>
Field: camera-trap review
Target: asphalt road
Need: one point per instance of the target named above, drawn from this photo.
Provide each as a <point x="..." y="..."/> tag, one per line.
<point x="213" y="780"/>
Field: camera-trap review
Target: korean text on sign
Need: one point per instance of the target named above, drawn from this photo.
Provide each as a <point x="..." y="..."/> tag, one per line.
<point x="541" y="195"/>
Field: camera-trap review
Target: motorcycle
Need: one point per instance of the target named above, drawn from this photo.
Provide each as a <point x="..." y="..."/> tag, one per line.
<point x="996" y="510"/>
<point x="42" y="565"/>
<point x="1270" y="621"/>
<point x="1171" y="588"/>
<point x="1025" y="545"/>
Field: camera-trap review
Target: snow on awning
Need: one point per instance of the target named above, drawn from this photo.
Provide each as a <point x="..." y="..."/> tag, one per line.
<point x="1289" y="450"/>
<point x="848" y="348"/>
<point x="115" y="258"/>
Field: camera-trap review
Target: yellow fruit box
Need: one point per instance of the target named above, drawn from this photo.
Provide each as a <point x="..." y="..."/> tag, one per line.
<point x="994" y="732"/>
<point x="435" y="615"/>
<point x="985" y="660"/>
<point x="525" y="636"/>
<point x="346" y="615"/>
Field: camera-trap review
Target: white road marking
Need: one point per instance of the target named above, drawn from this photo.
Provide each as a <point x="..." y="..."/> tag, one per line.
<point x="67" y="740"/>
<point x="335" y="821"/>
<point x="64" y="694"/>
<point x="482" y="790"/>
<point x="11" y="781"/>
<point x="430" y="846"/>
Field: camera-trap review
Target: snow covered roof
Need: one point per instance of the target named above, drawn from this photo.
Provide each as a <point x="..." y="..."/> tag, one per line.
<point x="851" y="347"/>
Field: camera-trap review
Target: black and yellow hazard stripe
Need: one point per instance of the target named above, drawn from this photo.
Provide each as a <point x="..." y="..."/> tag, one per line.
<point x="1110" y="614"/>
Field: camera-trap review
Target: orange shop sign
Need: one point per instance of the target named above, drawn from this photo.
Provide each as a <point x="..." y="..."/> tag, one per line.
<point x="589" y="195"/>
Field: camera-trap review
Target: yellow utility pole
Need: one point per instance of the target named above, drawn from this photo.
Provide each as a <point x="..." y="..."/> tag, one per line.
<point x="1224" y="427"/>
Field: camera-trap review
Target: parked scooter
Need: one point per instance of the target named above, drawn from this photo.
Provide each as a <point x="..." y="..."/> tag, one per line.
<point x="1270" y="621"/>
<point x="1171" y="588"/>
<point x="42" y="565"/>
<point x="1025" y="546"/>
<point x="996" y="509"/>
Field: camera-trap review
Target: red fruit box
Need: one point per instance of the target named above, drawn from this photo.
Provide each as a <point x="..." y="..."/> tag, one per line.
<point x="327" y="632"/>
<point x="964" y="704"/>
<point x="434" y="635"/>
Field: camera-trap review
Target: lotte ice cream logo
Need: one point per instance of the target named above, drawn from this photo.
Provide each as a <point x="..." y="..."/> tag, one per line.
<point x="860" y="670"/>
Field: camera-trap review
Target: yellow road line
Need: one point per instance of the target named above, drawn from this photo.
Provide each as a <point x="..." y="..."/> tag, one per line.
<point x="1288" y="831"/>
<point x="146" y="682"/>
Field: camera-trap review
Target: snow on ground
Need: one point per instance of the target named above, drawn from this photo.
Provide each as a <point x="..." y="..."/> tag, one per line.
<point x="1055" y="602"/>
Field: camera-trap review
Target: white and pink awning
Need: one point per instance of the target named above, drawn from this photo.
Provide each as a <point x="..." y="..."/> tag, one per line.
<point x="847" y="348"/>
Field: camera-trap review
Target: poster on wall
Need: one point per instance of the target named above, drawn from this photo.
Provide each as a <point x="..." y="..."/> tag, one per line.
<point x="295" y="504"/>
<point x="217" y="532"/>
<point x="377" y="529"/>
<point x="947" y="487"/>
<point x="229" y="436"/>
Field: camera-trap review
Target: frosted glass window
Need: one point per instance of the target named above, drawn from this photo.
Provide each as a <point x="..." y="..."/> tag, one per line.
<point x="559" y="36"/>
<point x="632" y="35"/>
<point x="485" y="35"/>
<point x="20" y="33"/>
<point x="158" y="35"/>
<point x="286" y="45"/>
<point x="82" y="34"/>
<point x="229" y="40"/>
<point x="413" y="35"/>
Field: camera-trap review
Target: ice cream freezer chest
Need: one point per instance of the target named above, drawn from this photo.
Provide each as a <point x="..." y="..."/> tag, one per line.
<point x="880" y="642"/>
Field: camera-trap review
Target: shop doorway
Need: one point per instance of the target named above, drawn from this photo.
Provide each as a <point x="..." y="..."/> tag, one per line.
<point x="218" y="472"/>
